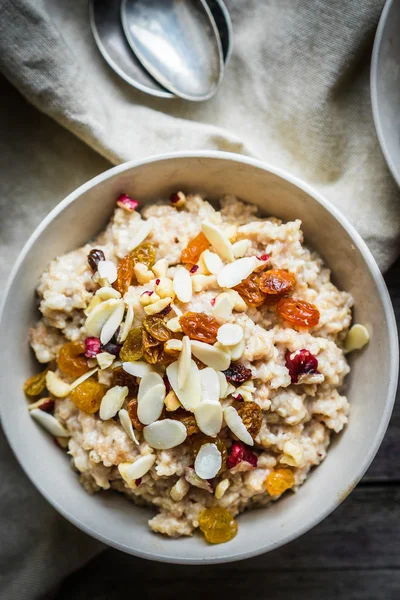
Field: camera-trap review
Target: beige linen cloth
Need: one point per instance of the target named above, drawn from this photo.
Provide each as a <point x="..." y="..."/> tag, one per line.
<point x="295" y="94"/>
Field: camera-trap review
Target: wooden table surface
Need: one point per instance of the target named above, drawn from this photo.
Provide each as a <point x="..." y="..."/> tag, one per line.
<point x="353" y="555"/>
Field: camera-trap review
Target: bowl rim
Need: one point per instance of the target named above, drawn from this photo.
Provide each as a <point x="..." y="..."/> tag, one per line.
<point x="374" y="91"/>
<point x="388" y="312"/>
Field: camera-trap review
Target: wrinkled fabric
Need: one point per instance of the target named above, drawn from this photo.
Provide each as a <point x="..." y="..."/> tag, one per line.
<point x="295" y="94"/>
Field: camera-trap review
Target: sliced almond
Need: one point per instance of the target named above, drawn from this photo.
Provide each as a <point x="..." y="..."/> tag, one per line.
<point x="208" y="461"/>
<point x="222" y="308"/>
<point x="165" y="434"/>
<point x="107" y="270"/>
<point x="171" y="401"/>
<point x="174" y="325"/>
<point x="99" y="316"/>
<point x="130" y="472"/>
<point x="151" y="405"/>
<point x="176" y="310"/>
<point x="210" y="356"/>
<point x="190" y="395"/>
<point x="137" y="368"/>
<point x="357" y="338"/>
<point x="160" y="268"/>
<point x="240" y="248"/>
<point x="237" y="351"/>
<point x="141" y="233"/>
<point x="105" y="360"/>
<point x="184" y="362"/>
<point x="95" y="301"/>
<point x="127" y="425"/>
<point x="223" y="385"/>
<point x="212" y="261"/>
<point x="46" y="404"/>
<point x="156" y="307"/>
<point x="127" y="325"/>
<point x="183" y="285"/>
<point x="236" y="271"/>
<point x="210" y="385"/>
<point x="209" y="417"/>
<point x="106" y="293"/>
<point x="173" y="345"/>
<point x="82" y="378"/>
<point x="112" y="402"/>
<point x="239" y="305"/>
<point x="49" y="423"/>
<point x="230" y="334"/>
<point x="148" y="381"/>
<point x="236" y="425"/>
<point x="221" y="488"/>
<point x="113" y="322"/>
<point x="218" y="239"/>
<point x="56" y="385"/>
<point x="142" y="273"/>
<point x="180" y="489"/>
<point x="192" y="478"/>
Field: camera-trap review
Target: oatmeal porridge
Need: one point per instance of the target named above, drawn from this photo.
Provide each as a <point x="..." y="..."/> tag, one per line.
<point x="194" y="360"/>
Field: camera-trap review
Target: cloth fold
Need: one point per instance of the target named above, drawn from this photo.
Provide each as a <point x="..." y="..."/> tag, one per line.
<point x="295" y="94"/>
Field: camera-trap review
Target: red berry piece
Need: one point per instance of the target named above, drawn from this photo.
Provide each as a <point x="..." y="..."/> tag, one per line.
<point x="299" y="363"/>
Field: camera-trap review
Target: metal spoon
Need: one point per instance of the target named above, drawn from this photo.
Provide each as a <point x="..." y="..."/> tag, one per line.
<point x="178" y="42"/>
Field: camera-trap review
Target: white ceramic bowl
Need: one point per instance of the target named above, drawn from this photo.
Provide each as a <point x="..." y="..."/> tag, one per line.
<point x="371" y="384"/>
<point x="385" y="85"/>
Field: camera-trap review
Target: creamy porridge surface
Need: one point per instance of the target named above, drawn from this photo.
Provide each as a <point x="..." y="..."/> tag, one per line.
<point x="265" y="389"/>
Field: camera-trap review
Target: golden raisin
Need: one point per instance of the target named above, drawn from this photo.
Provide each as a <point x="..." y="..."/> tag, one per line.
<point x="122" y="378"/>
<point x="187" y="419"/>
<point x="298" y="312"/>
<point x="156" y="327"/>
<point x="200" y="439"/>
<point x="153" y="350"/>
<point x="199" y="326"/>
<point x="218" y="525"/>
<point x="35" y="385"/>
<point x="276" y="283"/>
<point x="191" y="254"/>
<point x="124" y="275"/>
<point x="71" y="360"/>
<point x="250" y="291"/>
<point x="88" y="395"/>
<point x="251" y="415"/>
<point x="132" y="347"/>
<point x="132" y="412"/>
<point x="145" y="254"/>
<point x="278" y="481"/>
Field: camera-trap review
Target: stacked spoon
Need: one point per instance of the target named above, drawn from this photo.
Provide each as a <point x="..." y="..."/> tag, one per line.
<point x="166" y="48"/>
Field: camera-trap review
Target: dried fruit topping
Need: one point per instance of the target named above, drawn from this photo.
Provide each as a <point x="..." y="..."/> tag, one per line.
<point x="94" y="257"/>
<point x="122" y="378"/>
<point x="251" y="415"/>
<point x="250" y="291"/>
<point x="299" y="363"/>
<point x="263" y="257"/>
<point x="124" y="275"/>
<point x="156" y="327"/>
<point x="218" y="525"/>
<point x="165" y="311"/>
<point x="71" y="360"/>
<point x="129" y="204"/>
<point x="276" y="283"/>
<point x="35" y="385"/>
<point x="239" y="452"/>
<point x="92" y="347"/>
<point x="111" y="348"/>
<point x="194" y="268"/>
<point x="191" y="254"/>
<point x="132" y="412"/>
<point x="237" y="373"/>
<point x="298" y="312"/>
<point x="88" y="395"/>
<point x="167" y="384"/>
<point x="200" y="439"/>
<point x="278" y="481"/>
<point x="200" y="327"/>
<point x="177" y="199"/>
<point x="132" y="347"/>
<point x="153" y="350"/>
<point x="187" y="419"/>
<point x="145" y="254"/>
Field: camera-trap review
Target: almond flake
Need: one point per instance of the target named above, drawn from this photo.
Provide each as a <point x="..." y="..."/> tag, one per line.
<point x="357" y="337"/>
<point x="95" y="301"/>
<point x="184" y="362"/>
<point x="148" y="381"/>
<point x="107" y="270"/>
<point x="160" y="268"/>
<point x="105" y="360"/>
<point x="221" y="488"/>
<point x="236" y="425"/>
<point x="82" y="378"/>
<point x="210" y="385"/>
<point x="218" y="239"/>
<point x="158" y="306"/>
<point x="222" y="309"/>
<point x="236" y="271"/>
<point x="208" y="461"/>
<point x="240" y="248"/>
<point x="137" y="368"/>
<point x="46" y="404"/>
<point x="143" y="273"/>
<point x="141" y="233"/>
<point x="56" y="385"/>
<point x="173" y="345"/>
<point x="99" y="315"/>
<point x="150" y="406"/>
<point x="209" y="417"/>
<point x="192" y="478"/>
<point x="190" y="395"/>
<point x="171" y="401"/>
<point x="113" y="322"/>
<point x="210" y="356"/>
<point x="180" y="489"/>
<point x="112" y="402"/>
<point x="183" y="285"/>
<point x="174" y="325"/>
<point x="106" y="293"/>
<point x="127" y="425"/>
<point x="127" y="325"/>
<point x="165" y="434"/>
<point x="223" y="384"/>
<point x="237" y="351"/>
<point x="49" y="423"/>
<point x="230" y="334"/>
<point x="212" y="261"/>
<point x="176" y="310"/>
<point x="130" y="472"/>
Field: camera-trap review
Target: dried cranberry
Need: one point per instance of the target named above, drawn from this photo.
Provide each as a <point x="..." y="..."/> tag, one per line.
<point x="127" y="203"/>
<point x="138" y="481"/>
<point x="237" y="373"/>
<point x="194" y="268"/>
<point x="212" y="301"/>
<point x="165" y="311"/>
<point x="238" y="453"/>
<point x="111" y="348"/>
<point x="263" y="257"/>
<point x="157" y="281"/>
<point x="92" y="347"/>
<point x="239" y="397"/>
<point x="167" y="384"/>
<point x="94" y="257"/>
<point x="147" y="293"/>
<point x="299" y="363"/>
